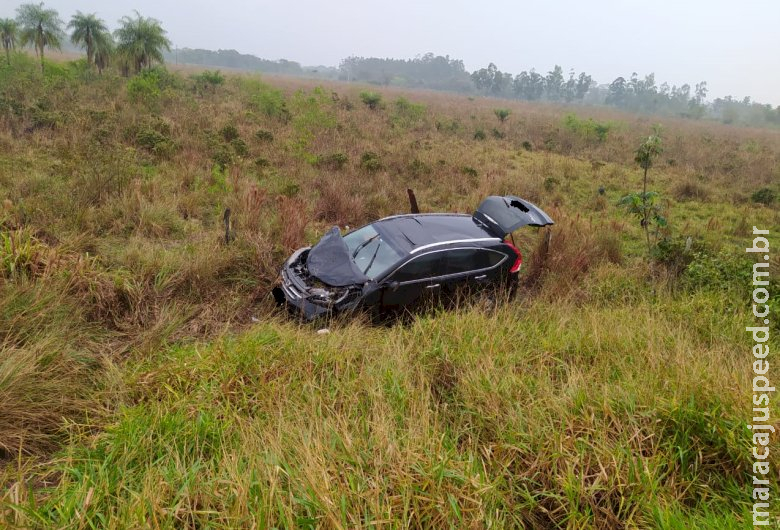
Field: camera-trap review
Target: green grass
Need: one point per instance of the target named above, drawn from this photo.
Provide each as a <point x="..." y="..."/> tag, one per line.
<point x="551" y="414"/>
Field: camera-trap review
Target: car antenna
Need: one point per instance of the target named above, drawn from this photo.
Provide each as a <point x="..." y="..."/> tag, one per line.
<point x="413" y="208"/>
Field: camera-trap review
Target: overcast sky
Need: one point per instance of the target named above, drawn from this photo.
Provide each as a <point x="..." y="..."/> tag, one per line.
<point x="734" y="46"/>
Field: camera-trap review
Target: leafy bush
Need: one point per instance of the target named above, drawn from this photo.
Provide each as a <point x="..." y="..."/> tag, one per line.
<point x="148" y="86"/>
<point x="589" y="129"/>
<point x="229" y="132"/>
<point x="479" y="134"/>
<point x="764" y="196"/>
<point x="407" y="113"/>
<point x="271" y="102"/>
<point x="222" y="156"/>
<point x="718" y="272"/>
<point x="154" y="142"/>
<point x="497" y="134"/>
<point x="239" y="146"/>
<point x="370" y="161"/>
<point x="371" y="99"/>
<point x="208" y="80"/>
<point x="333" y="161"/>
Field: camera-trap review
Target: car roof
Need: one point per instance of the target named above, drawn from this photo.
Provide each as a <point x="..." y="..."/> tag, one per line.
<point x="412" y="232"/>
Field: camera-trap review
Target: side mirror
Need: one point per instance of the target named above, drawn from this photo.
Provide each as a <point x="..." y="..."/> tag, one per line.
<point x="393" y="286"/>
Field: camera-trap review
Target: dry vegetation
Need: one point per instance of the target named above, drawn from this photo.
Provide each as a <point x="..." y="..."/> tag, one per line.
<point x="135" y="391"/>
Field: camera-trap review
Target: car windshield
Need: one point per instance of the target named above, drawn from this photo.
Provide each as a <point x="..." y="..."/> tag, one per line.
<point x="372" y="254"/>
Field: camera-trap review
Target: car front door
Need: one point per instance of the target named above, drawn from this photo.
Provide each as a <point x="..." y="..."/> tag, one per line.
<point x="414" y="283"/>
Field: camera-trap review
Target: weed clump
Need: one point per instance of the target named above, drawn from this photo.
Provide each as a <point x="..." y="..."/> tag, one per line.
<point x="764" y="196"/>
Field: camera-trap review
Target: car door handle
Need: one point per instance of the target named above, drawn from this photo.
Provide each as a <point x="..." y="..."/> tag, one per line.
<point x="434" y="286"/>
<point x="480" y="277"/>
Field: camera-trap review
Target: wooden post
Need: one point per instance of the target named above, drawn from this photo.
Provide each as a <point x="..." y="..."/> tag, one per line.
<point x="226" y="219"/>
<point x="412" y="201"/>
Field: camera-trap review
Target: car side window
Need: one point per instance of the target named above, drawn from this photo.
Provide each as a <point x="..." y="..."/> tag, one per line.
<point x="463" y="260"/>
<point x="471" y="259"/>
<point x="421" y="267"/>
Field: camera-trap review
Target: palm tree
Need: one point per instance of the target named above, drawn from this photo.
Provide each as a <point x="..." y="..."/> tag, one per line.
<point x="104" y="49"/>
<point x="8" y="36"/>
<point x="141" y="40"/>
<point x="41" y="27"/>
<point x="89" y="31"/>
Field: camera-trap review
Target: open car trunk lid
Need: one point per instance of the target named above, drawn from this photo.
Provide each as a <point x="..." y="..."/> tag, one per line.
<point x="329" y="261"/>
<point x="503" y="215"/>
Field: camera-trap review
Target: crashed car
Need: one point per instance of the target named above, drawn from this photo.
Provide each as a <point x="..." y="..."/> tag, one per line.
<point x="403" y="261"/>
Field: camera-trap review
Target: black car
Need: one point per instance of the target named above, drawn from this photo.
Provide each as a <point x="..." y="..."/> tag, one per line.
<point x="403" y="261"/>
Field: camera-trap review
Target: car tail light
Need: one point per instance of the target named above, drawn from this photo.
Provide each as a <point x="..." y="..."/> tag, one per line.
<point x="518" y="261"/>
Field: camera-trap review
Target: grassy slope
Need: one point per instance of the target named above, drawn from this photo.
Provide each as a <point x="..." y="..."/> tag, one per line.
<point x="604" y="394"/>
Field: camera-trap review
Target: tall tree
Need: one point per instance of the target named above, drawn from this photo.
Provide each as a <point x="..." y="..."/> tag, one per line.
<point x="8" y="30"/>
<point x="40" y="26"/>
<point x="553" y="83"/>
<point x="88" y="31"/>
<point x="141" y="40"/>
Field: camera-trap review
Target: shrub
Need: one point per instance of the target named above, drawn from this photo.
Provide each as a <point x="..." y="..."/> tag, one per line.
<point x="208" y="80"/>
<point x="370" y="161"/>
<point x="528" y="146"/>
<point x="229" y="132"/>
<point x="763" y="196"/>
<point x="589" y="129"/>
<point x="270" y="102"/>
<point x="154" y="141"/>
<point x="550" y="183"/>
<point x="333" y="161"/>
<point x="407" y="113"/>
<point x="222" y="156"/>
<point x="239" y="147"/>
<point x="147" y="86"/>
<point x="497" y="134"/>
<point x="479" y="134"/>
<point x="371" y="99"/>
<point x="264" y="135"/>
<point x="502" y="114"/>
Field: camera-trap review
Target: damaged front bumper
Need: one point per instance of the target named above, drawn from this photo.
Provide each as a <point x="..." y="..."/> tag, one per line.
<point x="309" y="298"/>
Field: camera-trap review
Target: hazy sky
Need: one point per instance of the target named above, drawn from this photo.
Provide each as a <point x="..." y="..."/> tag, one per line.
<point x="733" y="45"/>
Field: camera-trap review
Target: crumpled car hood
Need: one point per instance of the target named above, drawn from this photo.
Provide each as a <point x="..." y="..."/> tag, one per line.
<point x="329" y="261"/>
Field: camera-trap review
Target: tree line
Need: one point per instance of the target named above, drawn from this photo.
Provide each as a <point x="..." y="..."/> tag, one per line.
<point x="632" y="93"/>
<point x="140" y="42"/>
<point x="136" y="44"/>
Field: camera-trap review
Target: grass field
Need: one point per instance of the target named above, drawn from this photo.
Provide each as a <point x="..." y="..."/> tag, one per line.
<point x="145" y="380"/>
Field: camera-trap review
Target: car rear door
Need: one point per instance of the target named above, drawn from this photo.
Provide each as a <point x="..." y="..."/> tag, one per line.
<point x="470" y="270"/>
